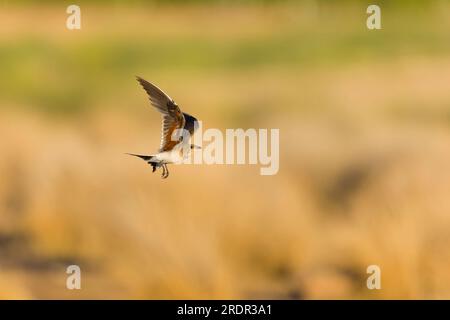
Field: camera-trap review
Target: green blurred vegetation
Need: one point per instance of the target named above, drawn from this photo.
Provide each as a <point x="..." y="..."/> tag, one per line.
<point x="59" y="74"/>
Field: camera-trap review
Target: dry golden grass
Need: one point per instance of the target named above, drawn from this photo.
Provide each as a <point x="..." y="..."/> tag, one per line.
<point x="344" y="199"/>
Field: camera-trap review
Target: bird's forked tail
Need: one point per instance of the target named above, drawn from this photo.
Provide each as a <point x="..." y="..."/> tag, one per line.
<point x="146" y="158"/>
<point x="151" y="160"/>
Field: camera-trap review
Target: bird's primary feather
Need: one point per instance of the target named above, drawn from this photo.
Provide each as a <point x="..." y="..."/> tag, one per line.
<point x="173" y="118"/>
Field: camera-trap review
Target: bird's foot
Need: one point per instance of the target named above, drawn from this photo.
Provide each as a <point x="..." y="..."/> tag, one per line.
<point x="165" y="173"/>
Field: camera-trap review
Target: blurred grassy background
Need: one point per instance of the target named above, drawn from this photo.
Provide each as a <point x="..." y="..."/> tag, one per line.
<point x="364" y="118"/>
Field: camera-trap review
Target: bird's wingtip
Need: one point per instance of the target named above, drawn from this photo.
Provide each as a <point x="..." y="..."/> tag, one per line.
<point x="141" y="81"/>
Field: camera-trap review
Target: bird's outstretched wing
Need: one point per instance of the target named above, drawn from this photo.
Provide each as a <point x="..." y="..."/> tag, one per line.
<point x="172" y="116"/>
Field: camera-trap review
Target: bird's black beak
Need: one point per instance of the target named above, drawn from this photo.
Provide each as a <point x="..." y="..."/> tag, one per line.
<point x="193" y="146"/>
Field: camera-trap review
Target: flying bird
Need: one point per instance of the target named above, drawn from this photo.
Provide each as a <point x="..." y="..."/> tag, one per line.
<point x="174" y="147"/>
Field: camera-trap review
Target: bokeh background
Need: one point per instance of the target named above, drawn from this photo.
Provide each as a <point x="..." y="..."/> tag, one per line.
<point x="364" y="119"/>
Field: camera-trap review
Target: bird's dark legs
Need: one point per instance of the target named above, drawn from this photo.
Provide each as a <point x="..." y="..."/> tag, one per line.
<point x="165" y="173"/>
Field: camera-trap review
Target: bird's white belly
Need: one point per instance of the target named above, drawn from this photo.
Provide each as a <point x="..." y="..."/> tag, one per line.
<point x="173" y="156"/>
